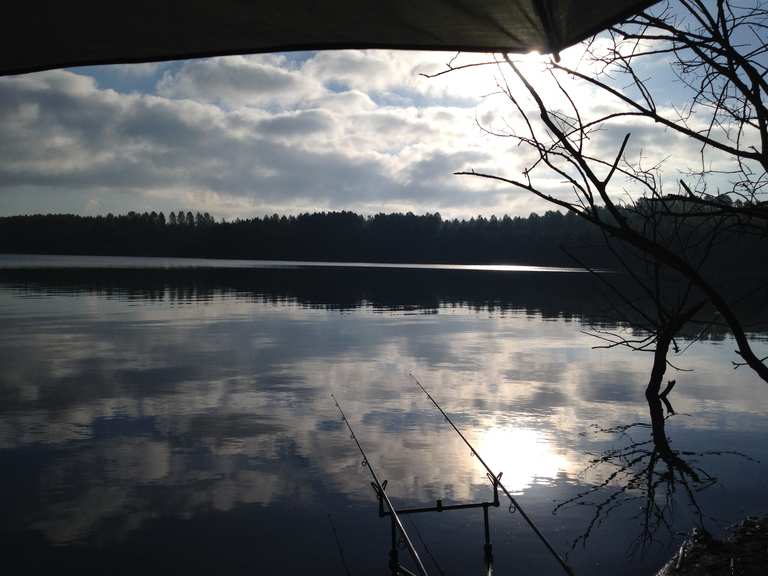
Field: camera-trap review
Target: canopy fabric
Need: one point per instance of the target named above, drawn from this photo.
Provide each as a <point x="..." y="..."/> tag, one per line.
<point x="43" y="34"/>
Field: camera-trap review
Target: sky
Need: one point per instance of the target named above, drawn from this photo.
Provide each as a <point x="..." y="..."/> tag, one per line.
<point x="244" y="136"/>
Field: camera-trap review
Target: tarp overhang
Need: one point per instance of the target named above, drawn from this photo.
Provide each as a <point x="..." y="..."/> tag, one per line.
<point x="44" y="34"/>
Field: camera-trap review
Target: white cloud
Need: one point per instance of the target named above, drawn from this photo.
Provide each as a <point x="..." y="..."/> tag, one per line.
<point x="68" y="138"/>
<point x="239" y="81"/>
<point x="244" y="135"/>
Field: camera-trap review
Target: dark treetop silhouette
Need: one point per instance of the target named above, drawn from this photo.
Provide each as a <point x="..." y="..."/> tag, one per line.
<point x="333" y="236"/>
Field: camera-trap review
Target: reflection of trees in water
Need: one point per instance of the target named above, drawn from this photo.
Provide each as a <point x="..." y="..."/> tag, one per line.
<point x="569" y="296"/>
<point x="649" y="474"/>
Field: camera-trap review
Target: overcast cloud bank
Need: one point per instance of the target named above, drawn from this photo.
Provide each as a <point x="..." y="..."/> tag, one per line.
<point x="249" y="135"/>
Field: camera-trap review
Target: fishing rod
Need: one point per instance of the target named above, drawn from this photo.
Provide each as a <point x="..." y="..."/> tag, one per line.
<point x="514" y="502"/>
<point x="382" y="495"/>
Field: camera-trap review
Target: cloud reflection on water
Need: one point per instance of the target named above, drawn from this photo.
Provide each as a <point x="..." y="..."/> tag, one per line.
<point x="142" y="409"/>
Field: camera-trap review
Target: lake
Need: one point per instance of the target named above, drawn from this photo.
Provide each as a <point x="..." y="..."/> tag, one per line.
<point x="174" y="416"/>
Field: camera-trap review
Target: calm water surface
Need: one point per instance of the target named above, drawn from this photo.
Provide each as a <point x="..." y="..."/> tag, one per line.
<point x="175" y="417"/>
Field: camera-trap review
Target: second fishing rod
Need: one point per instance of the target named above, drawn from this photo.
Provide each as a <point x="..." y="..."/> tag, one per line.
<point x="397" y="524"/>
<point x="568" y="570"/>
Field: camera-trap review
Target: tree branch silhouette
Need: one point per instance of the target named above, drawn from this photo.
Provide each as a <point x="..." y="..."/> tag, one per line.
<point x="718" y="54"/>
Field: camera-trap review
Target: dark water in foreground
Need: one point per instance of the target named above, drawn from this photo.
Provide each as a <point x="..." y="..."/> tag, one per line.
<point x="178" y="420"/>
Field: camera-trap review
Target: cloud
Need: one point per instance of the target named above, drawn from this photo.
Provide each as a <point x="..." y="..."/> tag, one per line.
<point x="296" y="124"/>
<point x="362" y="70"/>
<point x="238" y="81"/>
<point x="347" y="102"/>
<point x="247" y="135"/>
<point x="66" y="137"/>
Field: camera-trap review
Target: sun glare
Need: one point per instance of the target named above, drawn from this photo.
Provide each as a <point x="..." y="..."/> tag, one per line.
<point x="525" y="456"/>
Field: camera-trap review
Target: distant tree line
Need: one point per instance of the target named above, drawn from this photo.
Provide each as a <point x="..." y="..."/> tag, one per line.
<point x="336" y="236"/>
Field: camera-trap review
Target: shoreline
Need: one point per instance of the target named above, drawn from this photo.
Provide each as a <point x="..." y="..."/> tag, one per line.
<point x="744" y="552"/>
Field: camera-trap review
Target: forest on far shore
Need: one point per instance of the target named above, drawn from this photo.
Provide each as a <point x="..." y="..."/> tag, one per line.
<point x="323" y="236"/>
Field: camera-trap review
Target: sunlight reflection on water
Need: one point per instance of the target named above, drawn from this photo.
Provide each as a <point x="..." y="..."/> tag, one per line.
<point x="136" y="417"/>
<point x="524" y="455"/>
<point x="45" y="261"/>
